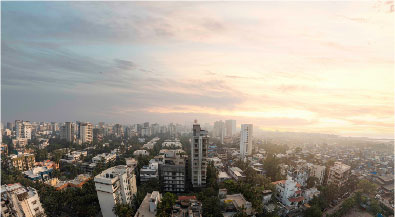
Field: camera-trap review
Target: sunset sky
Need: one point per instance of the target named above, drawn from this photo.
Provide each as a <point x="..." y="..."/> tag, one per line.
<point x="291" y="66"/>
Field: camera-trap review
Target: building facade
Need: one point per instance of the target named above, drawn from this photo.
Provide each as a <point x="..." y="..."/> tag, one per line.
<point x="246" y="140"/>
<point x="22" y="162"/>
<point x="20" y="201"/>
<point x="173" y="171"/>
<point x="67" y="131"/>
<point x="199" y="144"/>
<point x="230" y="128"/>
<point x="115" y="185"/>
<point x="339" y="174"/>
<point x="86" y="132"/>
<point x="23" y="130"/>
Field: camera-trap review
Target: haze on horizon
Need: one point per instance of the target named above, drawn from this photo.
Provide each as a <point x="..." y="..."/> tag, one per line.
<point x="323" y="67"/>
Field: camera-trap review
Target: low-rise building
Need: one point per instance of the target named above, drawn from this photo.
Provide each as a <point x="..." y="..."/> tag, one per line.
<point x="235" y="202"/>
<point x="172" y="144"/>
<point x="236" y="173"/>
<point x="223" y="176"/>
<point x="141" y="153"/>
<point x="41" y="174"/>
<point x="20" y="201"/>
<point x="22" y="162"/>
<point x="115" y="185"/>
<point x="104" y="157"/>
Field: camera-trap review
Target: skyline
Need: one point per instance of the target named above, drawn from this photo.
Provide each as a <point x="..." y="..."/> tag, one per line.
<point x="319" y="67"/>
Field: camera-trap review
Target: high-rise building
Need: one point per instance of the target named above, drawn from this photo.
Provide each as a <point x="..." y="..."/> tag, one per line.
<point x="67" y="131"/>
<point x="115" y="185"/>
<point x="230" y="128"/>
<point x="23" y="130"/>
<point x="246" y="140"/>
<point x="172" y="172"/>
<point x="86" y="132"/>
<point x="17" y="200"/>
<point x="199" y="156"/>
<point x="219" y="130"/>
<point x="118" y="130"/>
<point x="10" y="126"/>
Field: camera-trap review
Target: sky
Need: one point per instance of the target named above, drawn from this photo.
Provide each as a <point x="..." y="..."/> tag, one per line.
<point x="324" y="67"/>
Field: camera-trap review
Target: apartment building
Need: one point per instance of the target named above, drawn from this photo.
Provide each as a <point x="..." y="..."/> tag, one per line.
<point x="289" y="192"/>
<point x="236" y="173"/>
<point x="86" y="132"/>
<point x="23" y="130"/>
<point x="317" y="171"/>
<point x="339" y="174"/>
<point x="20" y="201"/>
<point x="246" y="140"/>
<point x="149" y="172"/>
<point x="230" y="128"/>
<point x="115" y="185"/>
<point x="199" y="144"/>
<point x="67" y="131"/>
<point x="173" y="171"/>
<point x="22" y="162"/>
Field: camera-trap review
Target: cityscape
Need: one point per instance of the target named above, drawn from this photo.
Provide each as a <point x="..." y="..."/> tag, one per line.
<point x="197" y="109"/>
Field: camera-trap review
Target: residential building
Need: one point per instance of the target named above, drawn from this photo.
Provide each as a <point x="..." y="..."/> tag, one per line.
<point x="199" y="144"/>
<point x="86" y="132"/>
<point x="173" y="171"/>
<point x="40" y="174"/>
<point x="172" y="144"/>
<point x="149" y="205"/>
<point x="22" y="162"/>
<point x="67" y="131"/>
<point x="317" y="171"/>
<point x="230" y="128"/>
<point x="246" y="140"/>
<point x="234" y="203"/>
<point x="289" y="192"/>
<point x="20" y="201"/>
<point x="219" y="130"/>
<point x="105" y="157"/>
<point x="115" y="185"/>
<point x="149" y="172"/>
<point x="236" y="173"/>
<point x="23" y="130"/>
<point x="339" y="174"/>
<point x="140" y="153"/>
<point x="223" y="176"/>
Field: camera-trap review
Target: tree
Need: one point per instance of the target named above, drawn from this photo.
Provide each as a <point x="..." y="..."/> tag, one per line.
<point x="313" y="211"/>
<point x="367" y="186"/>
<point x="312" y="181"/>
<point x="123" y="210"/>
<point x="166" y="205"/>
<point x="211" y="207"/>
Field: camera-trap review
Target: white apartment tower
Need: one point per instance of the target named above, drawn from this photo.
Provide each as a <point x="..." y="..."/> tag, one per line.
<point x="23" y="130"/>
<point x="246" y="140"/>
<point x="67" y="131"/>
<point x="20" y="201"/>
<point x="199" y="156"/>
<point x="115" y="185"/>
<point x="86" y="132"/>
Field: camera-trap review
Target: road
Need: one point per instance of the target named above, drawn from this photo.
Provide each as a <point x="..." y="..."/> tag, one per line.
<point x="333" y="209"/>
